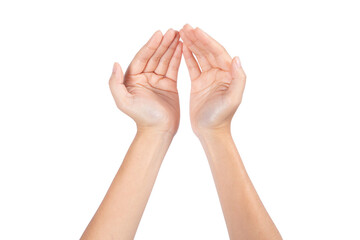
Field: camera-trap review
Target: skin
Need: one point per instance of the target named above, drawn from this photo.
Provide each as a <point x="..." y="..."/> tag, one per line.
<point x="148" y="94"/>
<point x="217" y="86"/>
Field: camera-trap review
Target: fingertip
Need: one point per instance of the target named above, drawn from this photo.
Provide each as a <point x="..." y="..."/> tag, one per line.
<point x="117" y="72"/>
<point x="171" y="31"/>
<point x="170" y="34"/>
<point x="176" y="38"/>
<point x="158" y="32"/>
<point x="115" y="67"/>
<point x="175" y="31"/>
<point x="189" y="34"/>
<point x="187" y="27"/>
<point x="237" y="70"/>
<point x="157" y="36"/>
<point x="155" y="40"/>
<point x="237" y="62"/>
<point x="184" y="36"/>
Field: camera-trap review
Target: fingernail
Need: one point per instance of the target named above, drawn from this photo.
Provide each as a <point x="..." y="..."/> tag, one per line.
<point x="237" y="61"/>
<point x="114" y="68"/>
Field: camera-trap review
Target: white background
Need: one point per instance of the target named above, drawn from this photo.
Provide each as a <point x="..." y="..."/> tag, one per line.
<point x="62" y="139"/>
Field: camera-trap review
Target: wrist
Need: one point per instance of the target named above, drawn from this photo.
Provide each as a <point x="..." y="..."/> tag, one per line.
<point x="223" y="130"/>
<point x="155" y="133"/>
<point x="158" y="128"/>
<point x="213" y="133"/>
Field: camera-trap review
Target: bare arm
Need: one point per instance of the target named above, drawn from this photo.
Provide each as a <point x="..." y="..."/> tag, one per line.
<point x="245" y="215"/>
<point x="216" y="92"/>
<point x="120" y="212"/>
<point x="148" y="94"/>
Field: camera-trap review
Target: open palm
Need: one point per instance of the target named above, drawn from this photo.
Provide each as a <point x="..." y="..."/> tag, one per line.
<point x="216" y="88"/>
<point x="148" y="91"/>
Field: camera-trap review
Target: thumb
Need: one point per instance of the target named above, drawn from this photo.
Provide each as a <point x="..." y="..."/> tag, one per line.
<point x="117" y="87"/>
<point x="238" y="80"/>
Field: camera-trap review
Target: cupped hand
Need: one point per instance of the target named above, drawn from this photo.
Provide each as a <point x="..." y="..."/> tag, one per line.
<point x="217" y="81"/>
<point x="148" y="90"/>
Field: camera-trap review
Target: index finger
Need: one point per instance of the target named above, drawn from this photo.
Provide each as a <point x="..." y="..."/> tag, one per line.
<point x="140" y="60"/>
<point x="219" y="53"/>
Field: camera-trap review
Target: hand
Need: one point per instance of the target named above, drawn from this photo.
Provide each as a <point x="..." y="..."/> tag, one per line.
<point x="216" y="89"/>
<point x="148" y="91"/>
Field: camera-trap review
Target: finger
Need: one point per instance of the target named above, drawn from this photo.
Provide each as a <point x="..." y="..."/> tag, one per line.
<point x="238" y="80"/>
<point x="142" y="57"/>
<point x="117" y="87"/>
<point x="174" y="64"/>
<point x="162" y="68"/>
<point x="165" y="43"/>
<point x="191" y="63"/>
<point x="194" y="45"/>
<point x="219" y="57"/>
<point x="209" y="43"/>
<point x="188" y="37"/>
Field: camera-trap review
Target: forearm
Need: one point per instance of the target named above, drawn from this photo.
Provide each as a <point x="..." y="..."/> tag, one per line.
<point x="245" y="215"/>
<point x="120" y="212"/>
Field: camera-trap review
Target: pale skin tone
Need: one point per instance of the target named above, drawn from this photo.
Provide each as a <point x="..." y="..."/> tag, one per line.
<point x="217" y="86"/>
<point x="147" y="93"/>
